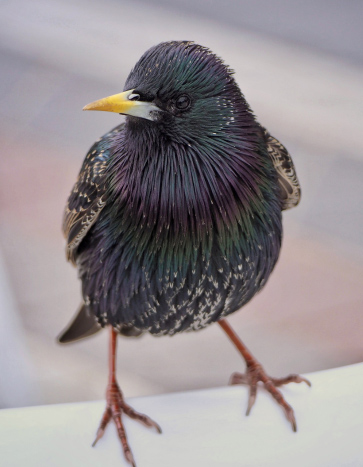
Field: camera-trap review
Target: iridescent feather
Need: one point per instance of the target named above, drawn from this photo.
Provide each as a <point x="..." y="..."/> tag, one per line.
<point x="177" y="223"/>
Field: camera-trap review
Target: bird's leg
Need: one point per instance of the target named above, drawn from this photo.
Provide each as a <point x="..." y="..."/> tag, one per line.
<point x="255" y="373"/>
<point x="116" y="405"/>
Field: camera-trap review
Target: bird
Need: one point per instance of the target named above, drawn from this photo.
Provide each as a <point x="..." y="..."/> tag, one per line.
<point x="175" y="220"/>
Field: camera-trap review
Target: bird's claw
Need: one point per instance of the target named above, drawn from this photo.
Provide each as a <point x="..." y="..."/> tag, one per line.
<point x="293" y="378"/>
<point x="256" y="373"/>
<point x="144" y="419"/>
<point x="115" y="407"/>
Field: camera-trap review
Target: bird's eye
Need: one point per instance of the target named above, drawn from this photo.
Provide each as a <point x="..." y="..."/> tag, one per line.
<point x="183" y="102"/>
<point x="134" y="97"/>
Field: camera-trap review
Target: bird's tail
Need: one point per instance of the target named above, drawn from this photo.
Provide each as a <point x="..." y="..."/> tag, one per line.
<point x="82" y="325"/>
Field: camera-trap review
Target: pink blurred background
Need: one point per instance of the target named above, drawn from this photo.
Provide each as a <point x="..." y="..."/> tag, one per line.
<point x="301" y="70"/>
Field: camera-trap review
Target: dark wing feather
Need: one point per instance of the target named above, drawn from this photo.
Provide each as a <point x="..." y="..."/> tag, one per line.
<point x="88" y="196"/>
<point x="84" y="205"/>
<point x="290" y="191"/>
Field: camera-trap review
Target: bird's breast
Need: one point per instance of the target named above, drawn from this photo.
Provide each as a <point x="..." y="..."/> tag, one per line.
<point x="179" y="245"/>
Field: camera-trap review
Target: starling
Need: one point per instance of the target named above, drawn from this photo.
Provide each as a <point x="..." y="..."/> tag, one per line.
<point x="175" y="219"/>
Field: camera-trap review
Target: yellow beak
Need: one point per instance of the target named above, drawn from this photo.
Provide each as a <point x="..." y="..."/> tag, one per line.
<point x="121" y="103"/>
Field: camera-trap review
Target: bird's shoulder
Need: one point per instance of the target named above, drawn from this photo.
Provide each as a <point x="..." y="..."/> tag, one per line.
<point x="88" y="196"/>
<point x="290" y="191"/>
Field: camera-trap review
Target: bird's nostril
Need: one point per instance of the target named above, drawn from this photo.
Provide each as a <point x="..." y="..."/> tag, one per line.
<point x="134" y="97"/>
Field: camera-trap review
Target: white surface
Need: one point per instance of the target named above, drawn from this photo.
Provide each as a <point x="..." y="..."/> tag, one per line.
<point x="201" y="428"/>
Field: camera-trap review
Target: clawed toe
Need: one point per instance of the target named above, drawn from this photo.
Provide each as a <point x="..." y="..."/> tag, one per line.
<point x="290" y="379"/>
<point x="256" y="373"/>
<point x="238" y="378"/>
<point x="144" y="419"/>
<point x="115" y="407"/>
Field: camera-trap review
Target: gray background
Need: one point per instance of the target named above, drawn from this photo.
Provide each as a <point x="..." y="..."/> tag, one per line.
<point x="299" y="65"/>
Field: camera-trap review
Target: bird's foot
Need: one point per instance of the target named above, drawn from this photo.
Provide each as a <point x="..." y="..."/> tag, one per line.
<point x="115" y="407"/>
<point x="254" y="374"/>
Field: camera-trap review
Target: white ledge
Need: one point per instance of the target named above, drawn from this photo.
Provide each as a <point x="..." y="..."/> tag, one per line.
<point x="200" y="428"/>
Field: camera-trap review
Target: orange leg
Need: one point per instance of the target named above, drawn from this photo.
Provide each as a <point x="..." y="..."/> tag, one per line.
<point x="116" y="406"/>
<point x="255" y="373"/>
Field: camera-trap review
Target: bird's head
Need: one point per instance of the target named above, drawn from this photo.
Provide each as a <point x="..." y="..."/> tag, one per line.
<point x="181" y="89"/>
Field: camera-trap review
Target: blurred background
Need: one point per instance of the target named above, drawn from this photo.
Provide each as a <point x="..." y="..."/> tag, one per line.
<point x="300" y="66"/>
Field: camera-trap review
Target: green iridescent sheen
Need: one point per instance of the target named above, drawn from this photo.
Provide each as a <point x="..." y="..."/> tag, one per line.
<point x="191" y="228"/>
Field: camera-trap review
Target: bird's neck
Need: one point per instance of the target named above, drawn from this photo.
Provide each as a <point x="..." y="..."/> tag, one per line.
<point x="176" y="190"/>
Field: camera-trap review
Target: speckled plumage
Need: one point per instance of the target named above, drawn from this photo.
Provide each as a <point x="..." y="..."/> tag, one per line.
<point x="176" y="223"/>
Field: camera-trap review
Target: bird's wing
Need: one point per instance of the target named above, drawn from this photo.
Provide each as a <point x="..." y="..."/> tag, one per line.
<point x="290" y="191"/>
<point x="88" y="196"/>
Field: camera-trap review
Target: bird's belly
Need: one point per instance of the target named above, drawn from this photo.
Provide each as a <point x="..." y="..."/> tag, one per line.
<point x="163" y="300"/>
<point x="206" y="295"/>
